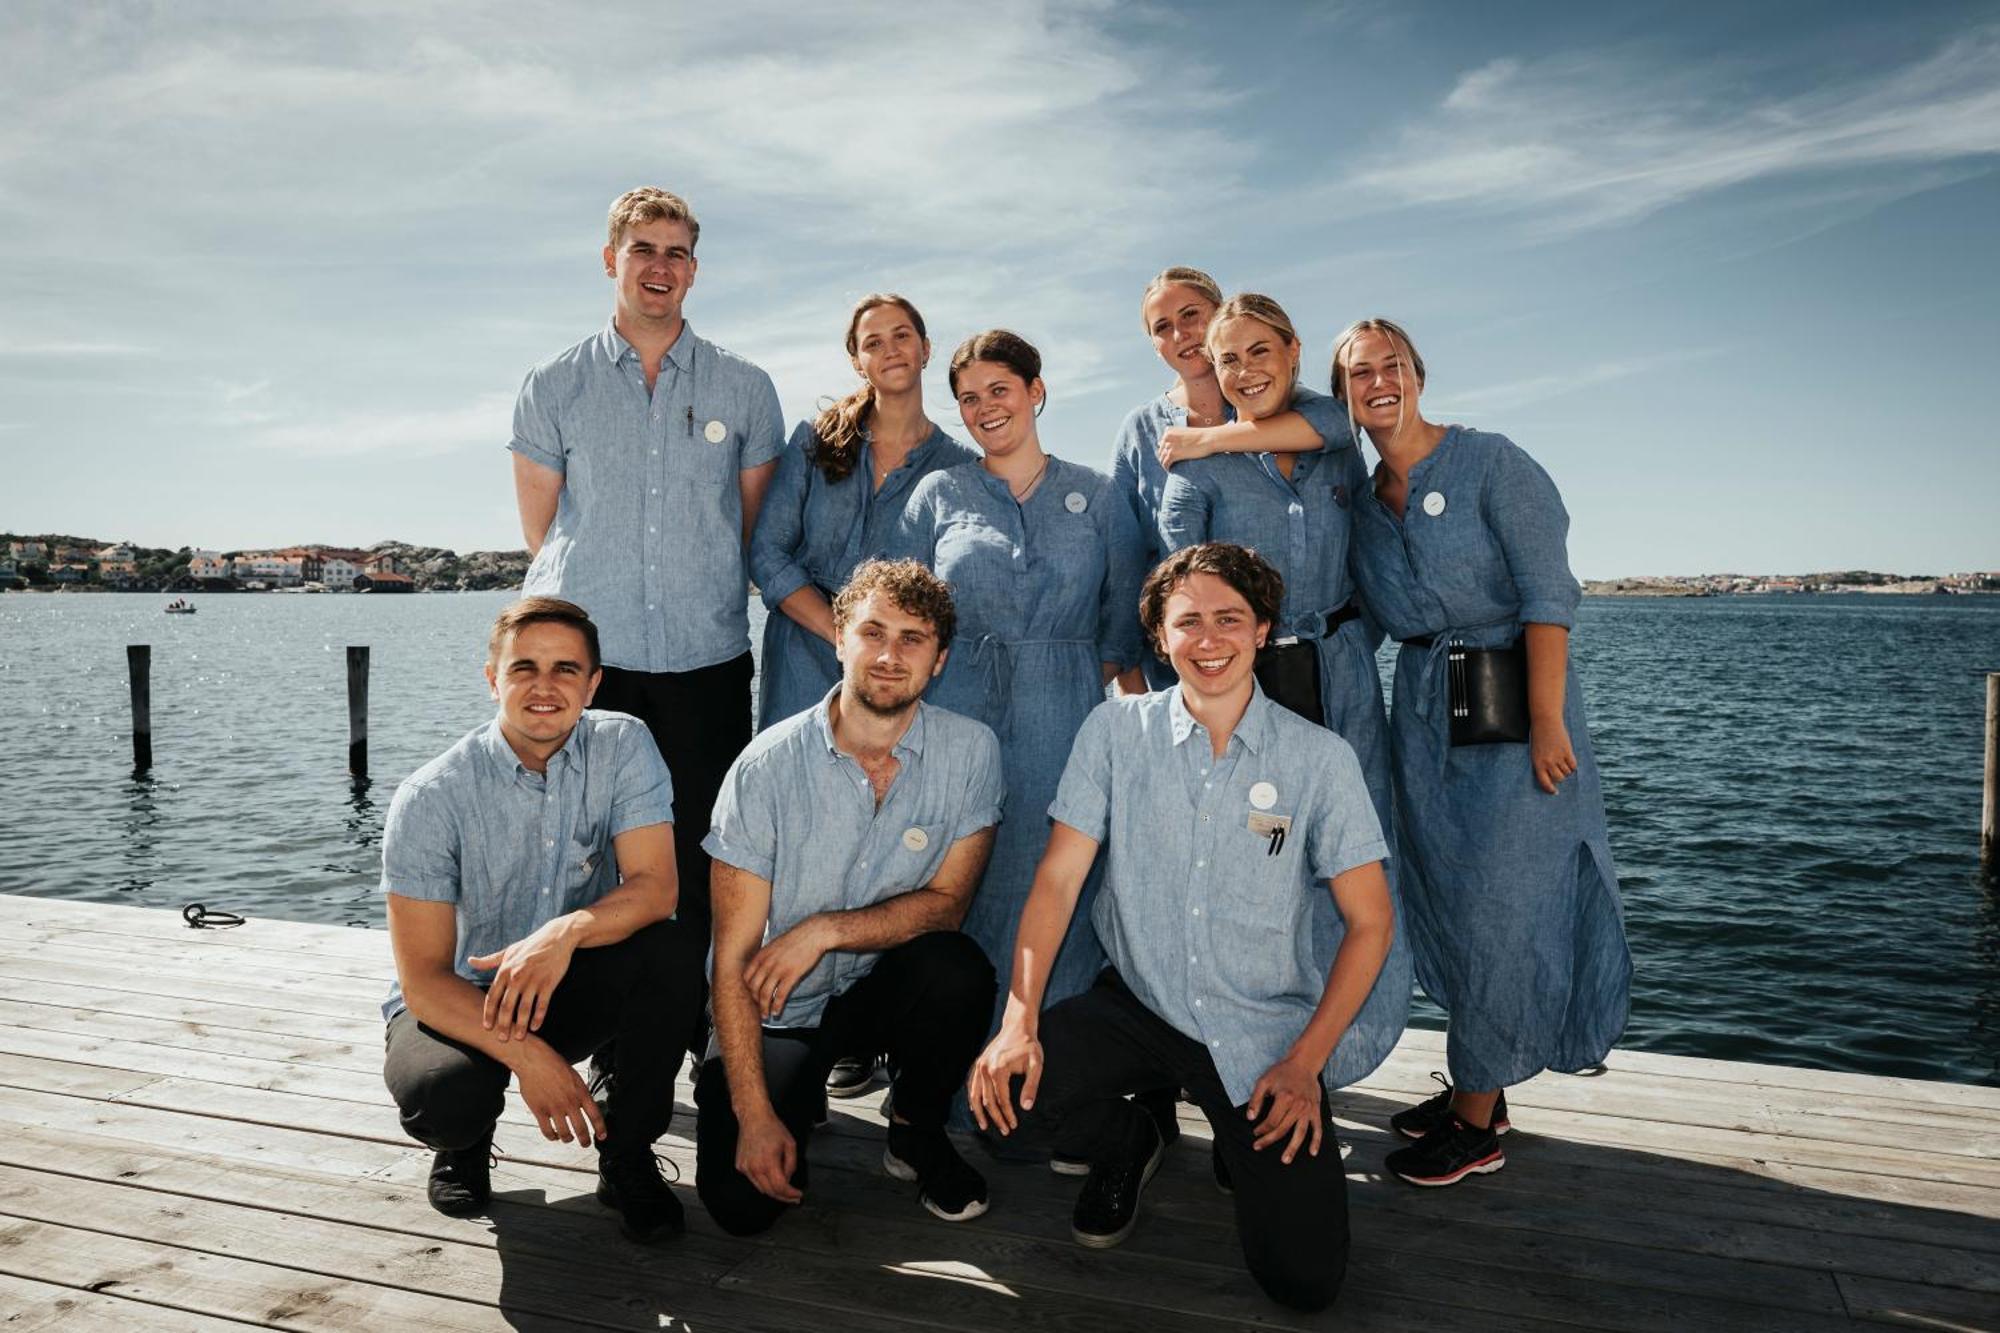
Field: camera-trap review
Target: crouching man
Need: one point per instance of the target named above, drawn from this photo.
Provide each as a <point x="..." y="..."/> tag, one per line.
<point x="530" y="877"/>
<point x="846" y="844"/>
<point x="1221" y="815"/>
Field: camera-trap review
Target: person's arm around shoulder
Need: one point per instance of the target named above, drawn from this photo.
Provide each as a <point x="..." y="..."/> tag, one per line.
<point x="1080" y="816"/>
<point x="538" y="463"/>
<point x="1309" y="426"/>
<point x="1346" y="850"/>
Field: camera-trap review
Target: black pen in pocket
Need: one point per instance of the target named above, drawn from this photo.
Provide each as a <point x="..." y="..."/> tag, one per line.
<point x="1277" y="841"/>
<point x="690" y="420"/>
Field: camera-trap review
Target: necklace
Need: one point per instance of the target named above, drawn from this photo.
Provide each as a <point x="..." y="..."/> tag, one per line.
<point x="1021" y="495"/>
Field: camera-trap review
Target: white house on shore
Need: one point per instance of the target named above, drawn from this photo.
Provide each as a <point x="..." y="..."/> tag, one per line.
<point x="210" y="565"/>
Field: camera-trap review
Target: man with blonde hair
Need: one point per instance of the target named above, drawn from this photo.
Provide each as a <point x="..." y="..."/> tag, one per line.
<point x="640" y="458"/>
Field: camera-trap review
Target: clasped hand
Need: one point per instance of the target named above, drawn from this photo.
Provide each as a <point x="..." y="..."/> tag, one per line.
<point x="528" y="972"/>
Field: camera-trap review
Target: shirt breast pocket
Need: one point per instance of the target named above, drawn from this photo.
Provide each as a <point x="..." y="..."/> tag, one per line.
<point x="583" y="861"/>
<point x="1261" y="877"/>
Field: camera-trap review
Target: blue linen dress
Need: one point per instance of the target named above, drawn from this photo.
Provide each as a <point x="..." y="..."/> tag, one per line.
<point x="813" y="531"/>
<point x="1302" y="526"/>
<point x="1045" y="591"/>
<point x="1509" y="892"/>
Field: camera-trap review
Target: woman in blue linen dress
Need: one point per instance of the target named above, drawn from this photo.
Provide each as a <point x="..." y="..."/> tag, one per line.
<point x="1506" y="881"/>
<point x="1192" y="418"/>
<point x="839" y="488"/>
<point x="1045" y="563"/>
<point x="1294" y="511"/>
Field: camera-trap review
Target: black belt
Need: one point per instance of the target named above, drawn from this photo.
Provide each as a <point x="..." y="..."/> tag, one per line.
<point x="1418" y="641"/>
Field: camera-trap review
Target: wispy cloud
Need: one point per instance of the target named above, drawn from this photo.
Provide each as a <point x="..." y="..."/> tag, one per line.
<point x="1578" y="141"/>
<point x="480" y="424"/>
<point x="1487" y="401"/>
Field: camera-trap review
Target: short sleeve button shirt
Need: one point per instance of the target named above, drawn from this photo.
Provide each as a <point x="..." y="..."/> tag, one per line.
<point x="513" y="849"/>
<point x="798" y="812"/>
<point x="648" y="532"/>
<point x="1207" y="916"/>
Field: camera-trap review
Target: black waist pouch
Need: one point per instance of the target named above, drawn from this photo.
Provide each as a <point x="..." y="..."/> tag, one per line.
<point x="1289" y="674"/>
<point x="1489" y="694"/>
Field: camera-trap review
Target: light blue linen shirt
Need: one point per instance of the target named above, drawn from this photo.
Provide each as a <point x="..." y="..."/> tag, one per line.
<point x="514" y="849"/>
<point x="1211" y="931"/>
<point x="799" y="813"/>
<point x="815" y="531"/>
<point x="648" y="532"/>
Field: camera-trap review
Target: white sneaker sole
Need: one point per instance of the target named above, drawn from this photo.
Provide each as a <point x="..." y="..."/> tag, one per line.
<point x="902" y="1170"/>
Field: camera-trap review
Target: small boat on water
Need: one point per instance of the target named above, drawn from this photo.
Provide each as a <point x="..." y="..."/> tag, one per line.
<point x="180" y="606"/>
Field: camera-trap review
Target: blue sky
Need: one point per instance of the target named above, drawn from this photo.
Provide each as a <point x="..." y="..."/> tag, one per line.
<point x="273" y="274"/>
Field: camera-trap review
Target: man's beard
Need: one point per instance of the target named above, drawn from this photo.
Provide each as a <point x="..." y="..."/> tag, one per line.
<point x="871" y="697"/>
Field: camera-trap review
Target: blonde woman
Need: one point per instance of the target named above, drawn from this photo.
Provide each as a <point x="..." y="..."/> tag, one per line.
<point x="1506" y="877"/>
<point x="1192" y="419"/>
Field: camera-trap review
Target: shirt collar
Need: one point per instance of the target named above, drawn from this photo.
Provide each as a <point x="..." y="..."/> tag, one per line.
<point x="616" y="349"/>
<point x="911" y="744"/>
<point x="494" y="741"/>
<point x="1254" y="729"/>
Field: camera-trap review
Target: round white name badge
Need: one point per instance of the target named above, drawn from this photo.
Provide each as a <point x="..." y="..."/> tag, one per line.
<point x="715" y="432"/>
<point x="1263" y="795"/>
<point x="1075" y="503"/>
<point x="1434" y="503"/>
<point x="916" y="839"/>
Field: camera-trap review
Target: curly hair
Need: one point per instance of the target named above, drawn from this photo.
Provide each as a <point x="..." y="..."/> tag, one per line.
<point x="910" y="586"/>
<point x="517" y="616"/>
<point x="1240" y="567"/>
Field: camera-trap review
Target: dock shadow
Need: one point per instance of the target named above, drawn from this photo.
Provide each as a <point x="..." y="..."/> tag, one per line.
<point x="1607" y="1236"/>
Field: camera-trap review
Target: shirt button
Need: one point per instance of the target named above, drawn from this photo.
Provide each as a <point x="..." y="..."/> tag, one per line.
<point x="1197" y="911"/>
<point x="651" y="528"/>
<point x="651" y="607"/>
<point x="1204" y="819"/>
<point x="548" y="842"/>
<point x="1215" y="1043"/>
<point x="1193" y="959"/>
<point x="1197" y="1004"/>
<point x="656" y="490"/>
<point x="1206" y="785"/>
<point x="1201" y="865"/>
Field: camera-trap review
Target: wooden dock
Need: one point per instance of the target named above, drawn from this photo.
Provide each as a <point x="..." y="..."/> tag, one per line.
<point x="194" y="1134"/>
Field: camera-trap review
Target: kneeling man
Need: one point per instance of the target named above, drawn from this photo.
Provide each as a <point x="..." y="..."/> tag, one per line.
<point x="846" y="846"/>
<point x="1221" y="814"/>
<point x="530" y="877"/>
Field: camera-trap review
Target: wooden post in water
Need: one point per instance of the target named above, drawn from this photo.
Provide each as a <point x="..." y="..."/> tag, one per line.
<point x="139" y="667"/>
<point x="1989" y="806"/>
<point x="357" y="711"/>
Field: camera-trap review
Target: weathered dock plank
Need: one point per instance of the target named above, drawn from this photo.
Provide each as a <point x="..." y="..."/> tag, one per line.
<point x="194" y="1134"/>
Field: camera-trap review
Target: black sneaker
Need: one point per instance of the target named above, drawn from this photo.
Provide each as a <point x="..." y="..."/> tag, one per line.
<point x="851" y="1076"/>
<point x="1416" y="1121"/>
<point x="948" y="1186"/>
<point x="631" y="1183"/>
<point x="1221" y="1169"/>
<point x="1448" y="1155"/>
<point x="461" y="1182"/>
<point x="1108" y="1207"/>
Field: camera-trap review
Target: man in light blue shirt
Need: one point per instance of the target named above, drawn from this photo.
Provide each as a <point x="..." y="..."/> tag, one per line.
<point x="1222" y="816"/>
<point x="640" y="459"/>
<point x="847" y="843"/>
<point x="530" y="873"/>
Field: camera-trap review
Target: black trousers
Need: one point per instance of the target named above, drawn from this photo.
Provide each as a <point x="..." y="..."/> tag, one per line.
<point x="701" y="720"/>
<point x="1099" y="1046"/>
<point x="642" y="993"/>
<point x="925" y="1002"/>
